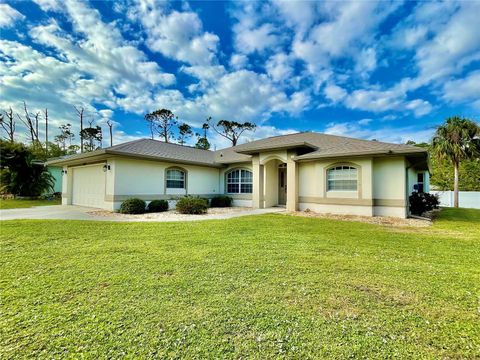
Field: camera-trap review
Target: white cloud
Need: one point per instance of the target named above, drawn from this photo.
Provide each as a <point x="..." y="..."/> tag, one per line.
<point x="207" y="75"/>
<point x="441" y="36"/>
<point x="409" y="37"/>
<point x="96" y="65"/>
<point x="334" y="93"/>
<point x="387" y="134"/>
<point x="280" y="67"/>
<point x="257" y="39"/>
<point x="177" y="35"/>
<point x="252" y="30"/>
<point x="463" y="90"/>
<point x="9" y="16"/>
<point x="455" y="46"/>
<point x="348" y="25"/>
<point x="244" y="95"/>
<point x="238" y="61"/>
<point x="297" y="14"/>
<point x="366" y="62"/>
<point x="419" y="107"/>
<point x="49" y="5"/>
<point x="364" y="121"/>
<point x="393" y="99"/>
<point x="104" y="62"/>
<point x="106" y="113"/>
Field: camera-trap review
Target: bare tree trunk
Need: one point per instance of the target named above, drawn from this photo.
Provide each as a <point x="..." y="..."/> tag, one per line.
<point x="9" y="125"/>
<point x="455" y="184"/>
<point x="80" y="115"/>
<point x="46" y="131"/>
<point x="165" y="130"/>
<point x="110" y="128"/>
<point x="29" y="123"/>
<point x="37" y="115"/>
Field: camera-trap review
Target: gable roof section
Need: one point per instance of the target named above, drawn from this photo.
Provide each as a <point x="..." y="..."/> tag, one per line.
<point x="325" y="146"/>
<point x="155" y="149"/>
<point x="148" y="149"/>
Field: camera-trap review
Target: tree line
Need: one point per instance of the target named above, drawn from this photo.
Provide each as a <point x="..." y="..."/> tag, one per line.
<point x="165" y="124"/>
<point x="90" y="135"/>
<point x="162" y="123"/>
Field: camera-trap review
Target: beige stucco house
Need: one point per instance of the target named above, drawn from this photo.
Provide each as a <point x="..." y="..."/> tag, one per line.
<point x="323" y="173"/>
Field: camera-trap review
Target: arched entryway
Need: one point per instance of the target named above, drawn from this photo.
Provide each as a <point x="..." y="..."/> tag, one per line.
<point x="275" y="182"/>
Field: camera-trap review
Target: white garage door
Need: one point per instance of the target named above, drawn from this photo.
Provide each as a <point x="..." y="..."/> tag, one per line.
<point x="88" y="186"/>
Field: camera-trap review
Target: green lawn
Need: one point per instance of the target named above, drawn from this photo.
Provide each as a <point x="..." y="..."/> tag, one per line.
<point x="21" y="204"/>
<point x="254" y="287"/>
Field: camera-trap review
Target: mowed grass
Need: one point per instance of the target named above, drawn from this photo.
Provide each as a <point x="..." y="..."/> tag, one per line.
<point x="260" y="287"/>
<point x="22" y="204"/>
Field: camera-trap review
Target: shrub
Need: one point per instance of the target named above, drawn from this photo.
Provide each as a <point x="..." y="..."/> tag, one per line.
<point x="221" y="201"/>
<point x="157" y="206"/>
<point x="133" y="206"/>
<point x="20" y="174"/>
<point x="422" y="202"/>
<point x="192" y="205"/>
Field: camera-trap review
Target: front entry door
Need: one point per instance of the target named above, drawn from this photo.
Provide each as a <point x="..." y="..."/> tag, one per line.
<point x="282" y="186"/>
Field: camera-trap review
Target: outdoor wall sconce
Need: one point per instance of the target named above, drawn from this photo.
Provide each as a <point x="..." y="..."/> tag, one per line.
<point x="106" y="167"/>
<point x="64" y="172"/>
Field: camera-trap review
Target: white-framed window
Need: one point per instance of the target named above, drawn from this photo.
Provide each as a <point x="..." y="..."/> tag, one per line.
<point x="239" y="181"/>
<point x="342" y="178"/>
<point x="175" y="179"/>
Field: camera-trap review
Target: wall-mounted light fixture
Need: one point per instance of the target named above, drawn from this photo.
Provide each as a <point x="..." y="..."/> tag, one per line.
<point x="64" y="172"/>
<point x="106" y="167"/>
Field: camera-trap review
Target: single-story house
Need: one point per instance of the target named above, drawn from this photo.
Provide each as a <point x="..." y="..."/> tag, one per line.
<point x="320" y="172"/>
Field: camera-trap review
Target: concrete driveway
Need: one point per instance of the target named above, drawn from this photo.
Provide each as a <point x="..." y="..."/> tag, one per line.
<point x="73" y="212"/>
<point x="58" y="212"/>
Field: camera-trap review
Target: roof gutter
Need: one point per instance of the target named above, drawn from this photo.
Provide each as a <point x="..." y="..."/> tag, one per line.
<point x="76" y="157"/>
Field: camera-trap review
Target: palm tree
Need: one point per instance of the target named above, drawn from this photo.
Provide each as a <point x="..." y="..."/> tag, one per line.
<point x="456" y="140"/>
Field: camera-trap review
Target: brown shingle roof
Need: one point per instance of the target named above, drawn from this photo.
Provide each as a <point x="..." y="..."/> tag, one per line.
<point x="324" y="145"/>
<point x="318" y="145"/>
<point x="165" y="151"/>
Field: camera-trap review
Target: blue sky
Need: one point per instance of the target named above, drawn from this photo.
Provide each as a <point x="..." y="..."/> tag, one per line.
<point x="385" y="70"/>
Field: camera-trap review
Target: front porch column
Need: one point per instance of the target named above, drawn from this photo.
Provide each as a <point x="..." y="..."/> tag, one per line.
<point x="292" y="184"/>
<point x="257" y="194"/>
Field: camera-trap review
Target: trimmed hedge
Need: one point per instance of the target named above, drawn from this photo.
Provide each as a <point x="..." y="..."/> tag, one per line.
<point x="192" y="205"/>
<point x="157" y="206"/>
<point x="221" y="201"/>
<point x="133" y="206"/>
<point x="422" y="202"/>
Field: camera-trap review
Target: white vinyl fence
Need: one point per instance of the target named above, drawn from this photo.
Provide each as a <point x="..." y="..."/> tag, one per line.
<point x="466" y="199"/>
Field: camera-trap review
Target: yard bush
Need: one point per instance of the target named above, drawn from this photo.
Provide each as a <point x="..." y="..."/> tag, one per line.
<point x="192" y="205"/>
<point x="157" y="206"/>
<point x="221" y="201"/>
<point x="422" y="202"/>
<point x="133" y="206"/>
<point x="20" y="173"/>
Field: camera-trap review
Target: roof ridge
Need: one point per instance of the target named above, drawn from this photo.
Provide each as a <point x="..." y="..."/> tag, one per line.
<point x="157" y="141"/>
<point x="183" y="146"/>
<point x="267" y="138"/>
<point x="362" y="140"/>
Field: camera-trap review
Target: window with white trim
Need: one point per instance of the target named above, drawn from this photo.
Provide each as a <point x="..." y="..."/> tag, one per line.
<point x="175" y="179"/>
<point x="239" y="182"/>
<point x="342" y="178"/>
